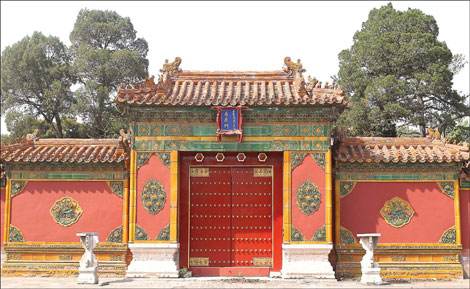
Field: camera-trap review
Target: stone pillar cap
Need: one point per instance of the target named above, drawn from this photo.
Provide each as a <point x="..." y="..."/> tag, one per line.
<point x="87" y="234"/>
<point x="369" y="235"/>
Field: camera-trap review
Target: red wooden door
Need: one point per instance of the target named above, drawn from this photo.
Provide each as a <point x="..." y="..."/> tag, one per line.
<point x="210" y="216"/>
<point x="252" y="221"/>
<point x="230" y="215"/>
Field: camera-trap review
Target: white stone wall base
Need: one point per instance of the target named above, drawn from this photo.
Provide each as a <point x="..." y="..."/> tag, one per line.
<point x="87" y="275"/>
<point x="154" y="260"/>
<point x="306" y="260"/>
<point x="466" y="266"/>
<point x="2" y="257"/>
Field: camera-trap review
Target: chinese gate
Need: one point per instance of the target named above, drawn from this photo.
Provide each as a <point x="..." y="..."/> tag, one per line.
<point x="231" y="214"/>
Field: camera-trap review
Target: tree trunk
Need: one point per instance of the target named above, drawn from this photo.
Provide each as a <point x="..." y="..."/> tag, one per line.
<point x="59" y="130"/>
<point x="422" y="121"/>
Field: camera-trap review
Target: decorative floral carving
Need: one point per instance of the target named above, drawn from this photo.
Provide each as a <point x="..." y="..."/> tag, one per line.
<point x="143" y="158"/>
<point x="345" y="188"/>
<point x="66" y="211"/>
<point x="296" y="235"/>
<point x="117" y="187"/>
<point x="296" y="160"/>
<point x="320" y="234"/>
<point x="448" y="236"/>
<point x="140" y="234"/>
<point x="447" y="188"/>
<point x="164" y="233"/>
<point x="17" y="187"/>
<point x="397" y="212"/>
<point x="308" y="198"/>
<point x="165" y="158"/>
<point x="115" y="235"/>
<point x="346" y="236"/>
<point x="153" y="197"/>
<point x="15" y="234"/>
<point x="319" y="158"/>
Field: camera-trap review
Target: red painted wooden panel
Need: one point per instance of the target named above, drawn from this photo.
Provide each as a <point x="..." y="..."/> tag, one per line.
<point x="30" y="210"/>
<point x="434" y="211"/>
<point x="154" y="169"/>
<point x="309" y="170"/>
<point x="210" y="218"/>
<point x="252" y="200"/>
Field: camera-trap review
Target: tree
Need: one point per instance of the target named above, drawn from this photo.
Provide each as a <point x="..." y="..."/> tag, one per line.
<point x="36" y="80"/>
<point x="106" y="53"/>
<point x="397" y="73"/>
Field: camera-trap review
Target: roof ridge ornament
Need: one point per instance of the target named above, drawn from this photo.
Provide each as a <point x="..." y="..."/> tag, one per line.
<point x="170" y="68"/>
<point x="293" y="68"/>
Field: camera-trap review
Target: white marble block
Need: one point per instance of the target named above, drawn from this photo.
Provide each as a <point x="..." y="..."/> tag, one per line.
<point x="87" y="272"/>
<point x="158" y="259"/>
<point x="370" y="269"/>
<point x="306" y="260"/>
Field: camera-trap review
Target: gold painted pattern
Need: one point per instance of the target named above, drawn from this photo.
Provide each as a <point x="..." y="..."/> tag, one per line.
<point x="262" y="172"/>
<point x="199" y="172"/>
<point x="263" y="262"/>
<point x="198" y="261"/>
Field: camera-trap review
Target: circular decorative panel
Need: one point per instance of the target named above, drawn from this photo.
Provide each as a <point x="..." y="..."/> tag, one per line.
<point x="397" y="212"/>
<point x="308" y="198"/>
<point x="66" y="211"/>
<point x="153" y="197"/>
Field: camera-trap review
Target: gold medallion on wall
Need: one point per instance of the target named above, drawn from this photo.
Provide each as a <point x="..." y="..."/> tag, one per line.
<point x="397" y="212"/>
<point x="66" y="211"/>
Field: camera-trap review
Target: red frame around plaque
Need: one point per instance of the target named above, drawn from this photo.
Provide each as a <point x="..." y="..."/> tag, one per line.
<point x="238" y="131"/>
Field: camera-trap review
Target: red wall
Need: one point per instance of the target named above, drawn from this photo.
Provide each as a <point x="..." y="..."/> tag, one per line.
<point x="156" y="170"/>
<point x="434" y="211"/>
<point x="465" y="219"/>
<point x="309" y="170"/>
<point x="30" y="210"/>
<point x="2" y="214"/>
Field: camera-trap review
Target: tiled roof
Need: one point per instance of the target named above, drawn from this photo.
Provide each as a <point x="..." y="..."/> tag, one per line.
<point x="231" y="88"/>
<point x="80" y="151"/>
<point x="399" y="150"/>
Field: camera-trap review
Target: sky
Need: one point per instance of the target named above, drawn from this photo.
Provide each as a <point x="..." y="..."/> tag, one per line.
<point x="238" y="35"/>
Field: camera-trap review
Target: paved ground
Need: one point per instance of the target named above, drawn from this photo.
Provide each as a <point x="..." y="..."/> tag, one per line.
<point x="45" y="282"/>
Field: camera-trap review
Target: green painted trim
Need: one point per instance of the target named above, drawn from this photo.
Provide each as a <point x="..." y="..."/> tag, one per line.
<point x="258" y="146"/>
<point x="465" y="184"/>
<point x="70" y="175"/>
<point x="405" y="176"/>
<point x="257" y="114"/>
<point x="209" y="129"/>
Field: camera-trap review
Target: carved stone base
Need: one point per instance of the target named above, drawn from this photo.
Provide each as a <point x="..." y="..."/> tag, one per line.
<point x="160" y="260"/>
<point x="87" y="276"/>
<point x="306" y="260"/>
<point x="371" y="276"/>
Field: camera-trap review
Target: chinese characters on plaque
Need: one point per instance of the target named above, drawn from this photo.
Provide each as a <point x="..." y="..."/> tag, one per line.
<point x="229" y="122"/>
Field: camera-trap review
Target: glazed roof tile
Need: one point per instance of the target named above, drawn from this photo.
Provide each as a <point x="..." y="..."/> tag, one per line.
<point x="80" y="151"/>
<point x="231" y="88"/>
<point x="399" y="150"/>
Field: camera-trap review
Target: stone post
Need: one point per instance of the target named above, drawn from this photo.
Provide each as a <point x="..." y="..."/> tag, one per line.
<point x="88" y="263"/>
<point x="370" y="269"/>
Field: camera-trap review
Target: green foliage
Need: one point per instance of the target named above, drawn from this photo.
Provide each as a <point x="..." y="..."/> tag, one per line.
<point x="36" y="80"/>
<point x="106" y="53"/>
<point x="398" y="73"/>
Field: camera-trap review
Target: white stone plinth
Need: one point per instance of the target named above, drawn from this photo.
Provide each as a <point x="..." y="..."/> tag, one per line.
<point x="87" y="272"/>
<point x="465" y="260"/>
<point x="159" y="259"/>
<point x="370" y="270"/>
<point x="306" y="260"/>
<point x="3" y="256"/>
